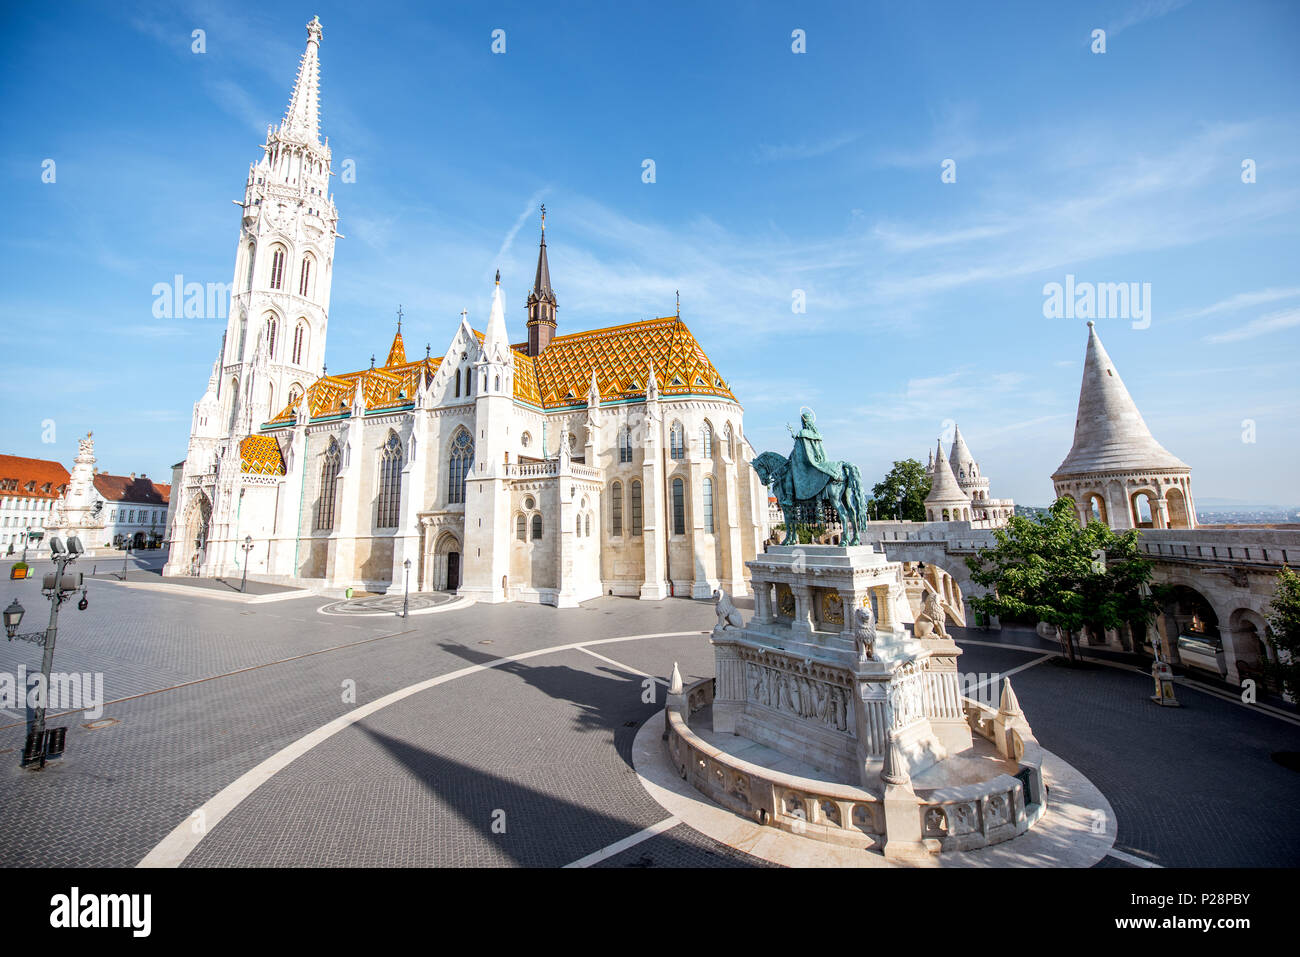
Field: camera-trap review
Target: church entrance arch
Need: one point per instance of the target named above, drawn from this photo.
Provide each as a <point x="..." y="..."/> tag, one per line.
<point x="446" y="562"/>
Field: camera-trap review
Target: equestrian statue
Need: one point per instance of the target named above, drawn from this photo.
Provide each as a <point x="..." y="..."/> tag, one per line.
<point x="807" y="479"/>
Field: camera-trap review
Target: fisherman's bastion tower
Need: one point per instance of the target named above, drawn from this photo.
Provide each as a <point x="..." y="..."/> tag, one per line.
<point x="1116" y="471"/>
<point x="553" y="470"/>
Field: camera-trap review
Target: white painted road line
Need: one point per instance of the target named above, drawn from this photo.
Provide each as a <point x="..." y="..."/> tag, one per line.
<point x="618" y="847"/>
<point x="185" y="837"/>
<point x="622" y="667"/>
<point x="1130" y="859"/>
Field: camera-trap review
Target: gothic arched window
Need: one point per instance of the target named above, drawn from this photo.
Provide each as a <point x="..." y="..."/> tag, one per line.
<point x="679" y="507"/>
<point x="676" y="443"/>
<point x="277" y="268"/>
<point x="616" y="497"/>
<point x="329" y="475"/>
<point x="708" y="505"/>
<point x="304" y="277"/>
<point x="390" y="483"/>
<point x="635" y="504"/>
<point x="458" y="466"/>
<point x="272" y="328"/>
<point x="299" y="342"/>
<point x="706" y="441"/>
<point x="625" y="445"/>
<point x="537" y="527"/>
<point x="521" y="527"/>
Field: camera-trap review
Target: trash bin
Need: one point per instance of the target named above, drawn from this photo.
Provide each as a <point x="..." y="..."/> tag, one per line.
<point x="347" y="593"/>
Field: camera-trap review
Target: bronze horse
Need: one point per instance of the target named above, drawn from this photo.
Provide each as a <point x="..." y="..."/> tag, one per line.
<point x="845" y="493"/>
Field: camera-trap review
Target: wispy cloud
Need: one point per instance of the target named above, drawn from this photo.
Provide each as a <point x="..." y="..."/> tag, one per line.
<point x="768" y="153"/>
<point x="1273" y="322"/>
<point x="1141" y="13"/>
<point x="1242" y="300"/>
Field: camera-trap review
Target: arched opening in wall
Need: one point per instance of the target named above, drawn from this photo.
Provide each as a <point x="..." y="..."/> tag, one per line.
<point x="1142" y="504"/>
<point x="1192" y="624"/>
<point x="1097" y="508"/>
<point x="1177" y="506"/>
<point x="1249" y="632"/>
<point x="946" y="515"/>
<point x="446" y="562"/>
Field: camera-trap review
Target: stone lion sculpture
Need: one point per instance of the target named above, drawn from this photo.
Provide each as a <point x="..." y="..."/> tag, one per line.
<point x="728" y="614"/>
<point x="929" y="623"/>
<point x="864" y="633"/>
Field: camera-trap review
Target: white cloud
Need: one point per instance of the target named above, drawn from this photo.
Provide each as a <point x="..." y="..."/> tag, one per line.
<point x="1273" y="322"/>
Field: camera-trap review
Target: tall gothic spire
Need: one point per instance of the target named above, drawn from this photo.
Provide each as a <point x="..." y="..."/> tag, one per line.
<point x="541" y="302"/>
<point x="1109" y="433"/>
<point x="302" y="118"/>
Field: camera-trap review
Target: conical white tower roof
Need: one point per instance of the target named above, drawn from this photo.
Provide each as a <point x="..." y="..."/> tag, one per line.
<point x="1109" y="434"/>
<point x="960" y="458"/>
<point x="944" y="489"/>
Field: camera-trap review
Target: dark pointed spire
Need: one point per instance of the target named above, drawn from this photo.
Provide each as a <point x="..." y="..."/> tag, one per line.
<point x="541" y="301"/>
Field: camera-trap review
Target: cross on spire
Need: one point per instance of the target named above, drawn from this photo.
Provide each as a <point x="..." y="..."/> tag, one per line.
<point x="399" y="317"/>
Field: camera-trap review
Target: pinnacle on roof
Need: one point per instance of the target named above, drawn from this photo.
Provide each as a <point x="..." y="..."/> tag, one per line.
<point x="1109" y="433"/>
<point x="302" y="118"/>
<point x="496" y="344"/>
<point x="943" y="484"/>
<point x="397" y="351"/>
<point x="542" y="291"/>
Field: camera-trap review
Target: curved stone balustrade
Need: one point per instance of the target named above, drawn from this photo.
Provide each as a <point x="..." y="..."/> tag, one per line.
<point x="955" y="818"/>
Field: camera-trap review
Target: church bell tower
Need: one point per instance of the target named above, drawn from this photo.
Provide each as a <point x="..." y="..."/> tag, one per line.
<point x="541" y="302"/>
<point x="274" y="345"/>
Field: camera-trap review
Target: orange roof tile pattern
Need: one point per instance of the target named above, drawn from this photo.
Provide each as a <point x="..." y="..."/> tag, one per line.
<point x="559" y="378"/>
<point x="260" y="455"/>
<point x="621" y="357"/>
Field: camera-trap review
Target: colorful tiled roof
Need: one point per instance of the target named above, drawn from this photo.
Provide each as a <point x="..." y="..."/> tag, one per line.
<point x="621" y="356"/>
<point x="132" y="490"/>
<point x="382" y="388"/>
<point x="559" y="378"/>
<point x="260" y="455"/>
<point x="32" y="478"/>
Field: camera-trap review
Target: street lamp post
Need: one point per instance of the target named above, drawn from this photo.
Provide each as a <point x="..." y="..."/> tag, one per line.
<point x="126" y="550"/>
<point x="58" y="587"/>
<point x="901" y="496"/>
<point x="247" y="547"/>
<point x="406" y="588"/>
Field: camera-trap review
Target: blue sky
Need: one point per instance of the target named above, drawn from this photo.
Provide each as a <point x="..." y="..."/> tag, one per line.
<point x="775" y="172"/>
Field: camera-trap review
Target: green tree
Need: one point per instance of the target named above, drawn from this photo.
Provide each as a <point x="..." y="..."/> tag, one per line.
<point x="907" y="477"/>
<point x="1285" y="640"/>
<point x="1049" y="569"/>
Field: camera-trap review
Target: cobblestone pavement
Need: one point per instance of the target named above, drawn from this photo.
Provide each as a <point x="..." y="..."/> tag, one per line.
<point x="527" y="763"/>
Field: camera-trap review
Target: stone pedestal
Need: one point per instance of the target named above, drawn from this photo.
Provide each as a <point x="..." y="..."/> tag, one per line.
<point x="792" y="679"/>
